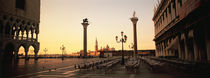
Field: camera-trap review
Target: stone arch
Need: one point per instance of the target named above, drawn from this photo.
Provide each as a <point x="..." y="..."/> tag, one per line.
<point x="24" y="45"/>
<point x="36" y="47"/>
<point x="19" y="51"/>
<point x="30" y="50"/>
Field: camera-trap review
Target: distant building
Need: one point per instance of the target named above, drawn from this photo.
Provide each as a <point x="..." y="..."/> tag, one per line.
<point x="19" y="26"/>
<point x="96" y="47"/>
<point x="182" y="29"/>
<point x="110" y="53"/>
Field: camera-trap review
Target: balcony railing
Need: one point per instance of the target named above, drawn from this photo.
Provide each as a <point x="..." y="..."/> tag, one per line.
<point x="15" y="38"/>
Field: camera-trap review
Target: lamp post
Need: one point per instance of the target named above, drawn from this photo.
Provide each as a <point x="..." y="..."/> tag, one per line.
<point x="63" y="49"/>
<point x="45" y="50"/>
<point x="122" y="40"/>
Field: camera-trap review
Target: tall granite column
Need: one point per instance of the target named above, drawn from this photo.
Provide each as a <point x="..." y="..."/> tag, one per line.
<point x="85" y="24"/>
<point x="134" y="20"/>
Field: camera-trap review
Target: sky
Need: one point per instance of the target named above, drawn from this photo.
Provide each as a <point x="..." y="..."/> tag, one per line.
<point x="60" y="24"/>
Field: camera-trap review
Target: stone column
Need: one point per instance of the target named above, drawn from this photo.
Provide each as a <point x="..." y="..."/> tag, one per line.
<point x="85" y="24"/>
<point x="36" y="36"/>
<point x="134" y="20"/>
<point x="179" y="47"/>
<point x="163" y="49"/>
<point x="207" y="40"/>
<point x="166" y="45"/>
<point x="26" y="54"/>
<point x="22" y="33"/>
<point x="186" y="48"/>
<point x="10" y="30"/>
<point x="32" y="35"/>
<point x="156" y="50"/>
<point x="27" y="35"/>
<point x="17" y="34"/>
<point x="37" y="32"/>
<point x="36" y="53"/>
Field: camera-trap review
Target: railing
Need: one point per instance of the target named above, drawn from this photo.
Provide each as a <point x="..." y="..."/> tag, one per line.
<point x="15" y="38"/>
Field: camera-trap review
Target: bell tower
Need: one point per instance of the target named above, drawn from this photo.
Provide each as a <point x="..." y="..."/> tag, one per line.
<point x="96" y="47"/>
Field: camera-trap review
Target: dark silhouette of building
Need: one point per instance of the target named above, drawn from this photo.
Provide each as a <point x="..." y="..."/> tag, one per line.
<point x="182" y="29"/>
<point x="127" y="52"/>
<point x="19" y="26"/>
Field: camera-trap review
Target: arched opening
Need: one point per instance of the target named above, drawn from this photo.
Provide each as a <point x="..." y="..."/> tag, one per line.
<point x="21" y="52"/>
<point x="31" y="51"/>
<point x="8" y="53"/>
<point x="15" y="34"/>
<point x="24" y="34"/>
<point x="20" y="35"/>
<point x="29" y="34"/>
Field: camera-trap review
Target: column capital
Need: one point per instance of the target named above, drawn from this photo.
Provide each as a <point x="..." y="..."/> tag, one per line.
<point x="134" y="20"/>
<point x="85" y="24"/>
<point x="26" y="50"/>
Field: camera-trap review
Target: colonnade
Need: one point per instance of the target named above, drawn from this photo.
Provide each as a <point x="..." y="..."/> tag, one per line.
<point x="190" y="45"/>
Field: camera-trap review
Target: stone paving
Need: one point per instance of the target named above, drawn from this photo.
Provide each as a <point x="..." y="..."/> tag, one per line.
<point x="117" y="71"/>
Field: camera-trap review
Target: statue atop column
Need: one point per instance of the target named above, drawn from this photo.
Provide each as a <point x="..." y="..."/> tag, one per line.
<point x="85" y="25"/>
<point x="85" y="20"/>
<point x="134" y="14"/>
<point x="134" y="20"/>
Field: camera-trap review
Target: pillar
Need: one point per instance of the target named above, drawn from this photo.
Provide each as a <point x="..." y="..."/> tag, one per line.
<point x="10" y="31"/>
<point x="85" y="24"/>
<point x="36" y="36"/>
<point x="17" y="34"/>
<point x="26" y="54"/>
<point x="156" y="51"/>
<point x="163" y="49"/>
<point x="166" y="45"/>
<point x="186" y="48"/>
<point x="134" y="20"/>
<point x="36" y="54"/>
<point x="207" y="40"/>
<point x="27" y="35"/>
<point x="196" y="54"/>
<point x="22" y="33"/>
<point x="179" y="47"/>
<point x="32" y="35"/>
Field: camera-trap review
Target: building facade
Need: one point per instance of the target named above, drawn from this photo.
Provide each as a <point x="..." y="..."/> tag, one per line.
<point x="182" y="29"/>
<point x="96" y="47"/>
<point x="19" y="26"/>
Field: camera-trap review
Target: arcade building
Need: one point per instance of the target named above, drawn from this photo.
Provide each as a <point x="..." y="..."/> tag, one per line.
<point x="182" y="29"/>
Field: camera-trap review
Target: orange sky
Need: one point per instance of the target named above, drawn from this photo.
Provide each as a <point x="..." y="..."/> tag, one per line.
<point x="61" y="20"/>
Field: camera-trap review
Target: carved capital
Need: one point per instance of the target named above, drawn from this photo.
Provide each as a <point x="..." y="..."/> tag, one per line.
<point x="134" y="20"/>
<point x="85" y="25"/>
